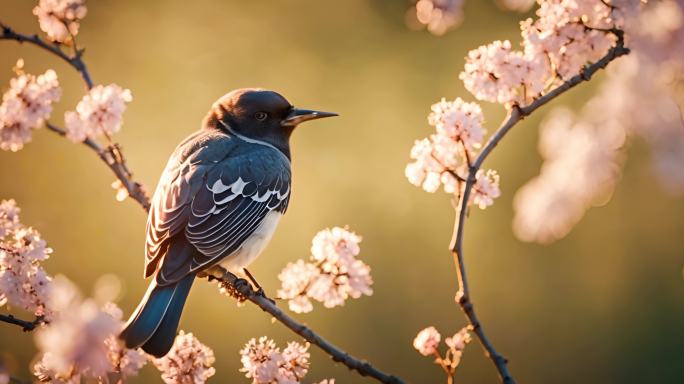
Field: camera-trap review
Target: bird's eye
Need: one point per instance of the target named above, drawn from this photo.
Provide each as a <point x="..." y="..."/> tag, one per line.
<point x="261" y="116"/>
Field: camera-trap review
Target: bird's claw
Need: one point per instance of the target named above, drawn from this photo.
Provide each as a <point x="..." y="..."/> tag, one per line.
<point x="239" y="289"/>
<point x="243" y="288"/>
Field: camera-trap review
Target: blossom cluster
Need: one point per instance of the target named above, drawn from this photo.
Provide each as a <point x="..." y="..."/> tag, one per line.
<point x="581" y="167"/>
<point x="79" y="337"/>
<point x="59" y="19"/>
<point x="443" y="158"/>
<point x="26" y="105"/>
<point x="100" y="112"/>
<point x="565" y="36"/>
<point x="81" y="340"/>
<point x="331" y="276"/>
<point x="23" y="281"/>
<point x="126" y="362"/>
<point x="437" y="15"/>
<point x="583" y="153"/>
<point x="81" y="343"/>
<point x="427" y="343"/>
<point x="498" y="74"/>
<point x="264" y="363"/>
<point x="188" y="362"/>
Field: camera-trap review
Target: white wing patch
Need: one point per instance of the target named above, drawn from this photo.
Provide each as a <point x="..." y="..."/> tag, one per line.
<point x="271" y="192"/>
<point x="236" y="188"/>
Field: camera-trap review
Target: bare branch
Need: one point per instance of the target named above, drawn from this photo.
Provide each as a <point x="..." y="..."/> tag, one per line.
<point x="112" y="156"/>
<point x="25" y="325"/>
<point x="516" y="114"/>
<point x="75" y="61"/>
<point x="243" y="288"/>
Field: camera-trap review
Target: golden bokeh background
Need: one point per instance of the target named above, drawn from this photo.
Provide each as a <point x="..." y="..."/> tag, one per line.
<point x="603" y="305"/>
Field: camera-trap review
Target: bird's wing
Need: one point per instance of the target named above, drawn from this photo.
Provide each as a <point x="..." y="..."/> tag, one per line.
<point x="205" y="208"/>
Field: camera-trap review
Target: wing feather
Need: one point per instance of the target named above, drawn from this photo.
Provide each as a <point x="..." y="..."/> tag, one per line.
<point x="214" y="193"/>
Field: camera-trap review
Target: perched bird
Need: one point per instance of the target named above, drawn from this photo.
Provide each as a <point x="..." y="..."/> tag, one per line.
<point x="218" y="202"/>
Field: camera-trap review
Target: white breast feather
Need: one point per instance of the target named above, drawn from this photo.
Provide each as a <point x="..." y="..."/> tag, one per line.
<point x="254" y="245"/>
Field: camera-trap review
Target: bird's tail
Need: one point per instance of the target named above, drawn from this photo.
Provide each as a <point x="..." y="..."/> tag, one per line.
<point x="154" y="323"/>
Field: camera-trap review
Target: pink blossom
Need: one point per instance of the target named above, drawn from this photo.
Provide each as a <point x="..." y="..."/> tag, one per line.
<point x="75" y="339"/>
<point x="456" y="344"/>
<point x="100" y="112"/>
<point x="440" y="160"/>
<point x="23" y="281"/>
<point x="126" y="362"/>
<point x="583" y="154"/>
<point x="332" y="244"/>
<point x="458" y="341"/>
<point x="295" y="361"/>
<point x="650" y="79"/>
<point x="9" y="217"/>
<point x="296" y="279"/>
<point x="458" y="120"/>
<point x="260" y="360"/>
<point x="59" y="19"/>
<point x="25" y="106"/>
<point x="435" y="159"/>
<point x="566" y="36"/>
<point x="485" y="189"/>
<point x="45" y="373"/>
<point x="333" y="275"/>
<point x="568" y="48"/>
<point x="188" y="362"/>
<point x="264" y="363"/>
<point x="498" y="74"/>
<point x="580" y="169"/>
<point x="438" y="15"/>
<point x="427" y="341"/>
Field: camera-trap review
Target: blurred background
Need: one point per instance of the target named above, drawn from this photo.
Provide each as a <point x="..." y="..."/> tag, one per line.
<point x="603" y="305"/>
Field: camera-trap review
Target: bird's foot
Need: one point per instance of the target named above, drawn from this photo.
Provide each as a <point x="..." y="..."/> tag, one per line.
<point x="259" y="291"/>
<point x="239" y="289"/>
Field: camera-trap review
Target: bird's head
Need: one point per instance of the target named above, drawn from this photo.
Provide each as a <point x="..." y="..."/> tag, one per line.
<point x="261" y="115"/>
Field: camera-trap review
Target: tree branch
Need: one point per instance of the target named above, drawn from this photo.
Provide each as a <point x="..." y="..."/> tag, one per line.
<point x="112" y="154"/>
<point x="245" y="291"/>
<point x="75" y="60"/>
<point x="25" y="325"/>
<point x="515" y="115"/>
<point x="113" y="158"/>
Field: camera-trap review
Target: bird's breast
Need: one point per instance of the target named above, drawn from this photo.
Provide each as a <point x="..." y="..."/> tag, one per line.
<point x="254" y="245"/>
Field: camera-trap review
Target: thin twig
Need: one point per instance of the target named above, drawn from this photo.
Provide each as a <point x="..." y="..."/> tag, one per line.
<point x="516" y="114"/>
<point x="364" y="368"/>
<point x="73" y="60"/>
<point x="112" y="156"/>
<point x="114" y="159"/>
<point x="25" y="325"/>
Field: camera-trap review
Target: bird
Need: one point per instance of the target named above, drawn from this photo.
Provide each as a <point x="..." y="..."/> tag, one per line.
<point x="217" y="203"/>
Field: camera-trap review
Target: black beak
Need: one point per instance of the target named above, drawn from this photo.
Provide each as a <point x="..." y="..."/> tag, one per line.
<point x="298" y="116"/>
